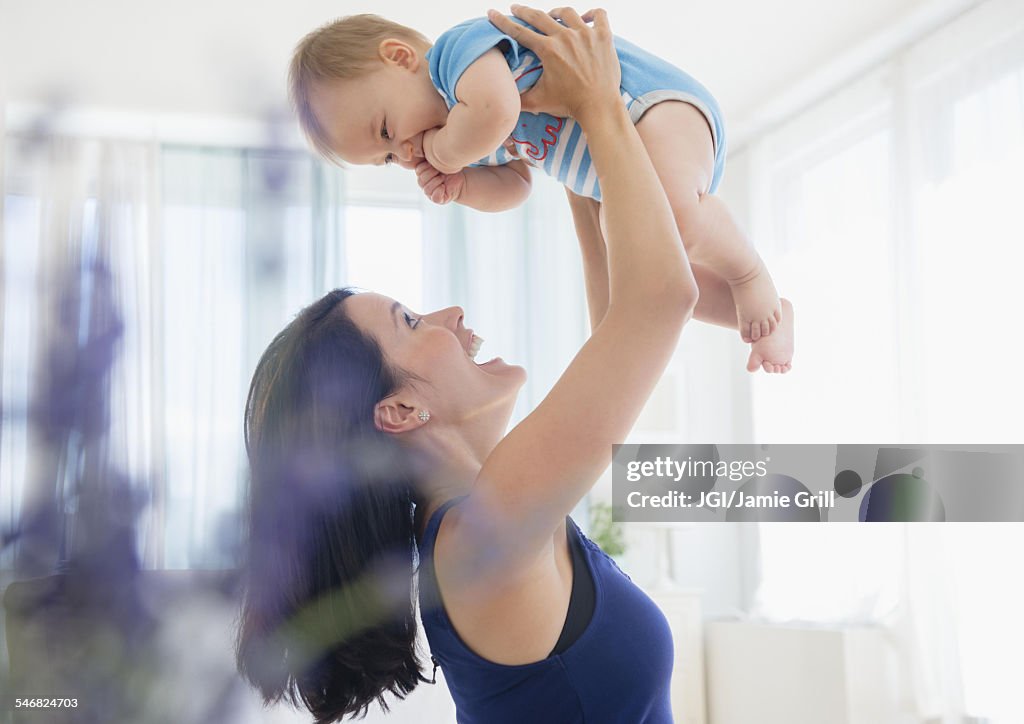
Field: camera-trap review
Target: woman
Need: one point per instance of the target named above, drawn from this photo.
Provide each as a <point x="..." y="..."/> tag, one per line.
<point x="361" y="413"/>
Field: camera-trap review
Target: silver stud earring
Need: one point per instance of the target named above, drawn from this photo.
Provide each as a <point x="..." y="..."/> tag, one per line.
<point x="424" y="415"/>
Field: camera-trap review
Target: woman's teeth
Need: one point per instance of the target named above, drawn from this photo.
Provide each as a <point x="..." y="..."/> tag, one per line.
<point x="474" y="346"/>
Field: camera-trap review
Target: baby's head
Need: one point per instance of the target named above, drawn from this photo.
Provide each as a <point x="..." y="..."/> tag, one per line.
<point x="363" y="93"/>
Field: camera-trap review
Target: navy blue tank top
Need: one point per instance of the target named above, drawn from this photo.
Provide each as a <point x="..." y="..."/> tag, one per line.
<point x="617" y="671"/>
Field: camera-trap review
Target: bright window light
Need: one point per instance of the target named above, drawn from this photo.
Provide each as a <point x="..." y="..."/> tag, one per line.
<point x="971" y="246"/>
<point x="833" y="221"/>
<point x="385" y="252"/>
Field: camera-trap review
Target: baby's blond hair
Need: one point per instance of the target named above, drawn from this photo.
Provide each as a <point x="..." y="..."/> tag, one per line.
<point x="343" y="49"/>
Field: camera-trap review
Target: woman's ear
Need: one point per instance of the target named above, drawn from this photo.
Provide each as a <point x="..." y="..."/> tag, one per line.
<point x="392" y="416"/>
<point x="400" y="53"/>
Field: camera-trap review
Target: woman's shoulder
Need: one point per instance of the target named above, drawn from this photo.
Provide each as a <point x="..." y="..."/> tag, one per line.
<point x="526" y="599"/>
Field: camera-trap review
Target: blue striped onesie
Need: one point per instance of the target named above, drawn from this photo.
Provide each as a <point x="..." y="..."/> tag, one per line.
<point x="554" y="144"/>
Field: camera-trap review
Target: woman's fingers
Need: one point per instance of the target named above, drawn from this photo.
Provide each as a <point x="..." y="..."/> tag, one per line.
<point x="539" y="19"/>
<point x="598" y="17"/>
<point x="514" y="30"/>
<point x="581" y="67"/>
<point x="523" y="35"/>
<point x="569" y="16"/>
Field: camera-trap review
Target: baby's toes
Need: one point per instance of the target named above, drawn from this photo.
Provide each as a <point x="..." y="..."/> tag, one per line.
<point x="755" y="331"/>
<point x="765" y="328"/>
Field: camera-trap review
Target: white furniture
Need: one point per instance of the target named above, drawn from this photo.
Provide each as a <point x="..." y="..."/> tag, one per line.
<point x="683" y="611"/>
<point x="777" y="674"/>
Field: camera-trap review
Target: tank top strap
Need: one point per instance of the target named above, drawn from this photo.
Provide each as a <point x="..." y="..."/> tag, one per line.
<point x="430" y="532"/>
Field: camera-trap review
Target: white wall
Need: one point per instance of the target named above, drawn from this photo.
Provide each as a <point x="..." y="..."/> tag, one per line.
<point x="229" y="57"/>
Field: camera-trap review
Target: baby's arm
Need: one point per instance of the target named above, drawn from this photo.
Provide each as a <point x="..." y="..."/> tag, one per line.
<point x="483" y="118"/>
<point x="496" y="188"/>
<point x="484" y="188"/>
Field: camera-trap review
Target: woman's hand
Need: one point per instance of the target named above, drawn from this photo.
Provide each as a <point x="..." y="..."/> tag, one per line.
<point x="541" y="470"/>
<point x="581" y="68"/>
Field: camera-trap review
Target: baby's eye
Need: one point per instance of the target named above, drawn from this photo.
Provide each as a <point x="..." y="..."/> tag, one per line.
<point x="385" y="135"/>
<point x="411" y="321"/>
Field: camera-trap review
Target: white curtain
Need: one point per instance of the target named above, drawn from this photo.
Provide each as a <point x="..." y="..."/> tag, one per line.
<point x="518" y="275"/>
<point x="66" y="204"/>
<point x="247" y="239"/>
<point x="891" y="214"/>
<point x="931" y="626"/>
<point x="212" y="251"/>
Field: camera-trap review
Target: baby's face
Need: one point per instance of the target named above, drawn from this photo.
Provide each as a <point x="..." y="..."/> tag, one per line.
<point x="380" y="117"/>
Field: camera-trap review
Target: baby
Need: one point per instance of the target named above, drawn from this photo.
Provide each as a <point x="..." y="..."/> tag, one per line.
<point x="370" y="91"/>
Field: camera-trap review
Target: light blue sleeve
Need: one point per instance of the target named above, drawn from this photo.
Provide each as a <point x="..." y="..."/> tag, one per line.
<point x="459" y="47"/>
<point x="499" y="158"/>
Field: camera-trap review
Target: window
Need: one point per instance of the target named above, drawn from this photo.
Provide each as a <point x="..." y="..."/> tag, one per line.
<point x="212" y="251"/>
<point x="833" y="235"/>
<point x="389" y="257"/>
<point x="893" y="208"/>
<point x="970" y="245"/>
<point x="21" y="221"/>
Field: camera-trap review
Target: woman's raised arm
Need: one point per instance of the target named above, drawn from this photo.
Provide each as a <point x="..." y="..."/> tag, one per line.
<point x="542" y="468"/>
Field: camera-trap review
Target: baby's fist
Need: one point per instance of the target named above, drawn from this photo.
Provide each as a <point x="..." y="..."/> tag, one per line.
<point x="441" y="188"/>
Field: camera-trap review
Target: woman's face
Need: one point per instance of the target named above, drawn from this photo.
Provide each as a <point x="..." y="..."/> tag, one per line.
<point x="434" y="347"/>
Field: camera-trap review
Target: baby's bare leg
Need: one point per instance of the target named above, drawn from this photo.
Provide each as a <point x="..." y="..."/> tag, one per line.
<point x="679" y="141"/>
<point x="715" y="305"/>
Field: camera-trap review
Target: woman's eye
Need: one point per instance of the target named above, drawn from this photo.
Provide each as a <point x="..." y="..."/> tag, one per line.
<point x="411" y="321"/>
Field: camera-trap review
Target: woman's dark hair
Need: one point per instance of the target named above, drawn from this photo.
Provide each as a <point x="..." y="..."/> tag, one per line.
<point x="328" y="611"/>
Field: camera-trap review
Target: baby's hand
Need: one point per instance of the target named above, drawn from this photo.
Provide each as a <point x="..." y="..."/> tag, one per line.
<point x="441" y="188"/>
<point x="431" y="156"/>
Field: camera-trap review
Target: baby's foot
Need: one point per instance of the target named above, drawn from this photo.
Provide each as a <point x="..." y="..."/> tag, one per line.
<point x="775" y="352"/>
<point x="757" y="304"/>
